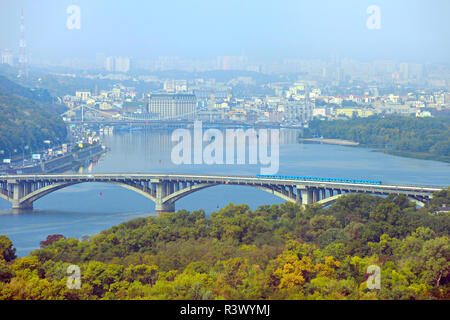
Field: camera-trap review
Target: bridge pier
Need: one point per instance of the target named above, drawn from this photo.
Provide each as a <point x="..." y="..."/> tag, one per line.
<point x="153" y="189"/>
<point x="21" y="189"/>
<point x="162" y="190"/>
<point x="298" y="196"/>
<point x="21" y="207"/>
<point x="291" y="191"/>
<point x="316" y="195"/>
<point x="161" y="207"/>
<point x="304" y="195"/>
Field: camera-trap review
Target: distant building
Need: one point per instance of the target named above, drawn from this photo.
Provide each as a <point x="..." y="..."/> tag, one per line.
<point x="296" y="111"/>
<point x="352" y="112"/>
<point x="83" y="95"/>
<point x="319" y="112"/>
<point x="423" y="114"/>
<point x="109" y="64"/>
<point x="173" y="105"/>
<point x="117" y="64"/>
<point x="175" y="85"/>
<point x="7" y="57"/>
<point x="122" y="64"/>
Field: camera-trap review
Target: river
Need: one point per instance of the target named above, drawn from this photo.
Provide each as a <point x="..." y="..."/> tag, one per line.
<point x="87" y="209"/>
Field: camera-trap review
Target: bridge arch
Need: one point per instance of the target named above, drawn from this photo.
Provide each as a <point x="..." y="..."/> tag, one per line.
<point x="332" y="199"/>
<point x="167" y="202"/>
<point x="41" y="192"/>
<point x="4" y="196"/>
<point x="188" y="190"/>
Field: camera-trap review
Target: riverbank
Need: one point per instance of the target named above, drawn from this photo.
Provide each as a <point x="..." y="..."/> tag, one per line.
<point x="417" y="155"/>
<point x="404" y="154"/>
<point x="340" y="142"/>
<point x="61" y="163"/>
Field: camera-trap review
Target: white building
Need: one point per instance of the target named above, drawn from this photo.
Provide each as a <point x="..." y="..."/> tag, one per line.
<point x="7" y="57"/>
<point x="173" y="105"/>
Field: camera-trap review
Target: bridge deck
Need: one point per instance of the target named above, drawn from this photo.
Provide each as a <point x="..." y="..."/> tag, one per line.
<point x="166" y="189"/>
<point x="219" y="179"/>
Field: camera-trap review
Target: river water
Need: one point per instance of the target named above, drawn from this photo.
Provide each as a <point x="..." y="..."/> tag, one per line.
<point x="87" y="209"/>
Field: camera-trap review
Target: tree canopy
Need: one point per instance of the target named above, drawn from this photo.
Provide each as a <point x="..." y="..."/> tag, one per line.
<point x="274" y="252"/>
<point x="27" y="118"/>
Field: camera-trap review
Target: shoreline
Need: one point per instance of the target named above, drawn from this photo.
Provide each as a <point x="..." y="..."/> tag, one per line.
<point x="341" y="142"/>
<point x="61" y="163"/>
<point x="417" y="155"/>
<point x="403" y="154"/>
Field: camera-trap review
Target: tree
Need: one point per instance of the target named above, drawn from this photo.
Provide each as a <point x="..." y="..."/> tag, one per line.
<point x="6" y="273"/>
<point x="330" y="236"/>
<point x="50" y="239"/>
<point x="143" y="273"/>
<point x="7" y="252"/>
<point x="435" y="257"/>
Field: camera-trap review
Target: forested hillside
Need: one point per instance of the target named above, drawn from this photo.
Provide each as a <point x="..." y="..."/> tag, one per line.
<point x="27" y="118"/>
<point x="426" y="136"/>
<point x="274" y="252"/>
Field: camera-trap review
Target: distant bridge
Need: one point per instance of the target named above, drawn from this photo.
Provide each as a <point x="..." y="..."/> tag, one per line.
<point x="152" y="123"/>
<point x="165" y="189"/>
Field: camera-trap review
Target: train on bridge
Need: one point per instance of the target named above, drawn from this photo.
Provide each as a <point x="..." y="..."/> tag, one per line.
<point x="318" y="179"/>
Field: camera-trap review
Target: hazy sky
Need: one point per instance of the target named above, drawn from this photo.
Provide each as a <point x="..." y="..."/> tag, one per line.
<point x="411" y="30"/>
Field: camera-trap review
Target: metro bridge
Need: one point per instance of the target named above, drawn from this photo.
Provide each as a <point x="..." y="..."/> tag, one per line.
<point x="165" y="189"/>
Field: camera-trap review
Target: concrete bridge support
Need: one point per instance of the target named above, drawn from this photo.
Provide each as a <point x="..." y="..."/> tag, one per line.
<point x="163" y="189"/>
<point x="304" y="195"/>
<point x="21" y="189"/>
<point x="298" y="196"/>
<point x="316" y="195"/>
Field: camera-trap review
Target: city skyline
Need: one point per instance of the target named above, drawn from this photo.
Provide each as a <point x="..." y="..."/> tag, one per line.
<point x="408" y="31"/>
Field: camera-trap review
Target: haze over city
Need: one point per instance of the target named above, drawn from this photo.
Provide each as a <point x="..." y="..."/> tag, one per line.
<point x="412" y="31"/>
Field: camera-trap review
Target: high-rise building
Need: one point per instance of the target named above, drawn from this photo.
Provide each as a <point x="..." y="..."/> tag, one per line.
<point x="109" y="64"/>
<point x="117" y="64"/>
<point x="7" y="57"/>
<point x="172" y="106"/>
<point x="403" y="70"/>
<point x="122" y="64"/>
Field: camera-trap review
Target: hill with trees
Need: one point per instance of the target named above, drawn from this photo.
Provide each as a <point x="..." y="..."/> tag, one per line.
<point x="274" y="252"/>
<point x="427" y="138"/>
<point x="27" y="118"/>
